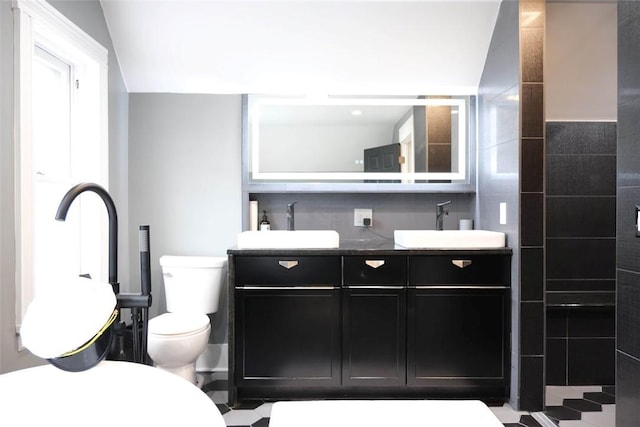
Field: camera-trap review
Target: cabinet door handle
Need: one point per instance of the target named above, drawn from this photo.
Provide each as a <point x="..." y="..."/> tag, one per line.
<point x="462" y="263"/>
<point x="288" y="264"/>
<point x="375" y="287"/>
<point x="374" y="263"/>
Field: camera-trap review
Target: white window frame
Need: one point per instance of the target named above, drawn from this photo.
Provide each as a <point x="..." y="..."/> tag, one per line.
<point x="38" y="23"/>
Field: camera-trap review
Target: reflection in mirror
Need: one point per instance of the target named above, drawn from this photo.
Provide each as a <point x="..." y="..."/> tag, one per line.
<point x="402" y="139"/>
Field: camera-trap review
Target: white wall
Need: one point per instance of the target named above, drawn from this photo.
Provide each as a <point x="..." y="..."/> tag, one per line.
<point x="580" y="71"/>
<point x="88" y="16"/>
<point x="3" y="126"/>
<point x="184" y="181"/>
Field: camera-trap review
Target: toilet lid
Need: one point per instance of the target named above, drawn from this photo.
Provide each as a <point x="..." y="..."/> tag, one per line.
<point x="178" y="323"/>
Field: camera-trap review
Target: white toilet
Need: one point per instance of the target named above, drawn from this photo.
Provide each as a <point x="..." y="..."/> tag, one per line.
<point x="192" y="289"/>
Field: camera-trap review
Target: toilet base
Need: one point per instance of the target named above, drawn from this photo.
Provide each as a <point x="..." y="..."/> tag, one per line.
<point x="188" y="372"/>
<point x="199" y="380"/>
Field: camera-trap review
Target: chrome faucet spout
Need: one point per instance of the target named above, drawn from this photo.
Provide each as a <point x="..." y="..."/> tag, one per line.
<point x="291" y="217"/>
<point x="61" y="215"/>
<point x="440" y="213"/>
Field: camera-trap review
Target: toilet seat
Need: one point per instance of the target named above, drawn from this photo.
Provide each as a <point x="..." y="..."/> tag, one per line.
<point x="174" y="324"/>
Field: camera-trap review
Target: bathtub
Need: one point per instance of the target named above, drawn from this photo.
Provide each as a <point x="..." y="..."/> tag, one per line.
<point x="111" y="393"/>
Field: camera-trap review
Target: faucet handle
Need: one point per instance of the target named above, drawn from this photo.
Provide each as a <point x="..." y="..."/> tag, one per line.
<point x="443" y="204"/>
<point x="290" y="216"/>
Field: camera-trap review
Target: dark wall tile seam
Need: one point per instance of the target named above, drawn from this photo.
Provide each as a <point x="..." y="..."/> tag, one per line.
<point x="626" y="270"/>
<point x="637" y="359"/>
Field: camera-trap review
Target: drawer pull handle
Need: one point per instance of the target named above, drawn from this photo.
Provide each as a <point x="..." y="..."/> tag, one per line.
<point x="374" y="263"/>
<point x="288" y="264"/>
<point x="462" y="263"/>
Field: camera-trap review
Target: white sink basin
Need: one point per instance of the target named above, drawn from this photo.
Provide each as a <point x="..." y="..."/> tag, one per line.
<point x="448" y="239"/>
<point x="281" y="239"/>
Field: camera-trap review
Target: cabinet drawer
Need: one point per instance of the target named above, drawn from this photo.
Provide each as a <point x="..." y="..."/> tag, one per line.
<point x="459" y="270"/>
<point x="288" y="270"/>
<point x="375" y="270"/>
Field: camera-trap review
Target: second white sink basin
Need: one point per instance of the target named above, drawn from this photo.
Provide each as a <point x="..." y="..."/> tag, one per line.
<point x="448" y="239"/>
<point x="282" y="239"/>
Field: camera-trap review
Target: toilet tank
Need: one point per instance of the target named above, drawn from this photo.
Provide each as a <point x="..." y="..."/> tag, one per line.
<point x="193" y="283"/>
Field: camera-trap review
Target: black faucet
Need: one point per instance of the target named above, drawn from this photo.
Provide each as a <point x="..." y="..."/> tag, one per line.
<point x="291" y="217"/>
<point x="138" y="303"/>
<point x="440" y="213"/>
<point x="61" y="215"/>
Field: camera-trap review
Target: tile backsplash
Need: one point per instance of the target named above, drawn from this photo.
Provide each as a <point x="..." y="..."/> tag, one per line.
<point x="334" y="211"/>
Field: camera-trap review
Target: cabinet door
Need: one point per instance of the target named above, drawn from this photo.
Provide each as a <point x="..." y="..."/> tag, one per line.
<point x="457" y="337"/>
<point x="374" y="339"/>
<point x="287" y="337"/>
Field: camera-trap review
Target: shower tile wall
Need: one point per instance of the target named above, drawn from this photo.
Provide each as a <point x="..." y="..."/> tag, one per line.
<point x="580" y="252"/>
<point x="532" y="242"/>
<point x="628" y="245"/>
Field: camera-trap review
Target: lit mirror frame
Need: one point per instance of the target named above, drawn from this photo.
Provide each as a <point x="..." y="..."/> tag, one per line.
<point x="256" y="103"/>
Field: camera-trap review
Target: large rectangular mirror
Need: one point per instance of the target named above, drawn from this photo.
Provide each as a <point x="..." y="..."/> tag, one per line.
<point x="358" y="139"/>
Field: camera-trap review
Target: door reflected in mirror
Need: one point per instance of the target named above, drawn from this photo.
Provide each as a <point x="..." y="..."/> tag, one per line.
<point x="358" y="139"/>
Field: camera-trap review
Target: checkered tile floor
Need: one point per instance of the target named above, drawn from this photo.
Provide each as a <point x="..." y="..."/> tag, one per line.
<point x="566" y="407"/>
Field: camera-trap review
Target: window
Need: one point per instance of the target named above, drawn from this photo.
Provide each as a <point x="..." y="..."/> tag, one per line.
<point x="61" y="140"/>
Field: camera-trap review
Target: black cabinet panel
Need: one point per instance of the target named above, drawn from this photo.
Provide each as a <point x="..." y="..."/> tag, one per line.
<point x="477" y="320"/>
<point x="286" y="337"/>
<point x="351" y="326"/>
<point x="374" y="337"/>
<point x="372" y="270"/>
<point x="288" y="270"/>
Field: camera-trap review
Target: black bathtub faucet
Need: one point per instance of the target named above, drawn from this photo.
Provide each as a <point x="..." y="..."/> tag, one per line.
<point x="61" y="215"/>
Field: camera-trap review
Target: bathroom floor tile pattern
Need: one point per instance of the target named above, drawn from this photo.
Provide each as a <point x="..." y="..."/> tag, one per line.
<point x="256" y="413"/>
<point x="582" y="410"/>
<point x="588" y="406"/>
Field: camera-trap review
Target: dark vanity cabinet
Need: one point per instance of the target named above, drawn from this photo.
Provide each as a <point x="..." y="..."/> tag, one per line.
<point x="287" y="323"/>
<point x="376" y="324"/>
<point x="458" y="322"/>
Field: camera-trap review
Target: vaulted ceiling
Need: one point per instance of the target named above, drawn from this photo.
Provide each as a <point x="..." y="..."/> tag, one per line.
<point x="301" y="47"/>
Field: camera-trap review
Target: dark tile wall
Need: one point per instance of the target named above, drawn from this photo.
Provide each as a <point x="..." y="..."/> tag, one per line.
<point x="627" y="391"/>
<point x="580" y="346"/>
<point x="511" y="170"/>
<point x="498" y="169"/>
<point x="532" y="198"/>
<point x="628" y="187"/>
<point x="580" y="252"/>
